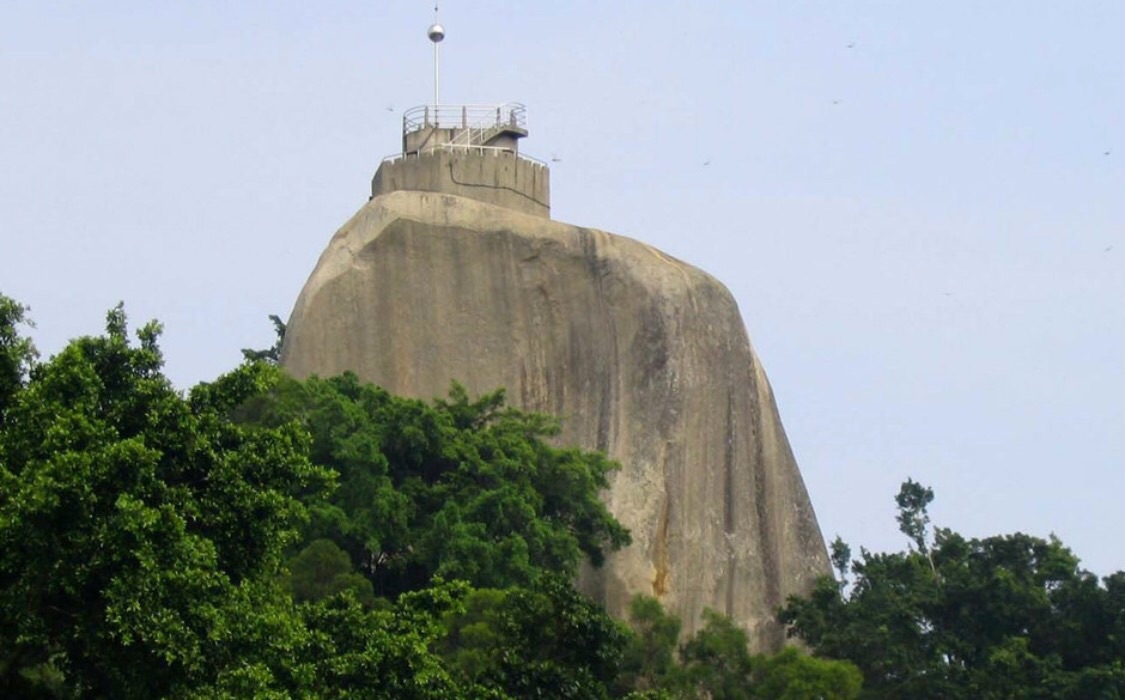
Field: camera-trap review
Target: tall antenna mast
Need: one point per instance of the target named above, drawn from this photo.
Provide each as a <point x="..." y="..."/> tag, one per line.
<point x="436" y="34"/>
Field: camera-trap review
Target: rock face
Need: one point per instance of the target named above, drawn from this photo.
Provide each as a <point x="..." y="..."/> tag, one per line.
<point x="640" y="355"/>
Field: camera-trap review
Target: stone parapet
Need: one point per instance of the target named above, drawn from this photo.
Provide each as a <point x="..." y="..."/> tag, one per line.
<point x="490" y="175"/>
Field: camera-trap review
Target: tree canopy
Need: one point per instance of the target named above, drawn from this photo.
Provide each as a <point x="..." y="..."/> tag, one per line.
<point x="463" y="489"/>
<point x="1009" y="616"/>
<point x="260" y="536"/>
<point x="156" y="544"/>
<point x="142" y="537"/>
<point x="16" y="352"/>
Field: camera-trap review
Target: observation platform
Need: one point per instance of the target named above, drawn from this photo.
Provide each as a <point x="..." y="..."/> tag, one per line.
<point x="470" y="151"/>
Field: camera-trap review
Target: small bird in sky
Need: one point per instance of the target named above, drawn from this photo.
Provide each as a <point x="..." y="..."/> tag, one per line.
<point x="1106" y="153"/>
<point x="835" y="102"/>
<point x="851" y="45"/>
<point x="707" y="162"/>
<point x="1107" y="249"/>
<point x="390" y="108"/>
<point x="555" y="158"/>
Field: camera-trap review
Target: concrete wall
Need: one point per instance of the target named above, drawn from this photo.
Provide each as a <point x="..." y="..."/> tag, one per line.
<point x="494" y="177"/>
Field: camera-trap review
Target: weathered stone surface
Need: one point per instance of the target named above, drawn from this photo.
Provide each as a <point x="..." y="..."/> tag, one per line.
<point x="640" y="354"/>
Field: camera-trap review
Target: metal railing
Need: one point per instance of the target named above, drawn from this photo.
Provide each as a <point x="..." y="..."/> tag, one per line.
<point x="480" y="150"/>
<point x="478" y="117"/>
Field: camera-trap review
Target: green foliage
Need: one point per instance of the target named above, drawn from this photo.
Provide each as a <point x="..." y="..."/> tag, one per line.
<point x="338" y="648"/>
<point x="131" y="524"/>
<point x="791" y="675"/>
<point x="272" y="354"/>
<point x="841" y="556"/>
<point x="462" y="489"/>
<point x="999" y="617"/>
<point x="551" y="642"/>
<point x="17" y="353"/>
<point x="229" y="544"/>
<point x="322" y="570"/>
<point x="716" y="661"/>
<point x="649" y="661"/>
<point x="474" y="634"/>
<point x="913" y="520"/>
<point x="361" y="653"/>
<point x="141" y="537"/>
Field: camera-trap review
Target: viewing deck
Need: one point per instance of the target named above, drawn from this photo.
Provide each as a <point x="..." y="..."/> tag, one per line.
<point x="471" y="127"/>
<point x="442" y="149"/>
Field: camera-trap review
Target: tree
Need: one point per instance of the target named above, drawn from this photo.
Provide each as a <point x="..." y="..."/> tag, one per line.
<point x="474" y="635"/>
<point x="154" y="544"/>
<point x="141" y="540"/>
<point x="272" y="354"/>
<point x="1008" y="616"/>
<point x="17" y="353"/>
<point x="551" y="643"/>
<point x="360" y="653"/>
<point x="134" y="525"/>
<point x="841" y="557"/>
<point x="791" y="675"/>
<point x="913" y="520"/>
<point x="322" y="570"/>
<point x="650" y="657"/>
<point x="716" y="661"/>
<point x="463" y="489"/>
<point x="338" y="648"/>
<point x="913" y="499"/>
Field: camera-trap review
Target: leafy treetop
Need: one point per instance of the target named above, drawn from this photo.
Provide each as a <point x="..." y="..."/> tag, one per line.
<point x="1008" y="616"/>
<point x="463" y="489"/>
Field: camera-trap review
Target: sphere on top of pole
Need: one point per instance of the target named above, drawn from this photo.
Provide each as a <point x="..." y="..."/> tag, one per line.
<point x="436" y="32"/>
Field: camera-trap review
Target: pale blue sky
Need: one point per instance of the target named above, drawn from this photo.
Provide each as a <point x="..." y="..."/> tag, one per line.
<point x="919" y="206"/>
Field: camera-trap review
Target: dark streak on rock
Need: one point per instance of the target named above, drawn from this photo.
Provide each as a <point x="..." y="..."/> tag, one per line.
<point x="599" y="269"/>
<point x="728" y="501"/>
<point x="774" y="635"/>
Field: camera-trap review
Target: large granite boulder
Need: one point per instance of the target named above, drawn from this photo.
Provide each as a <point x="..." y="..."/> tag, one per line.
<point x="639" y="354"/>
